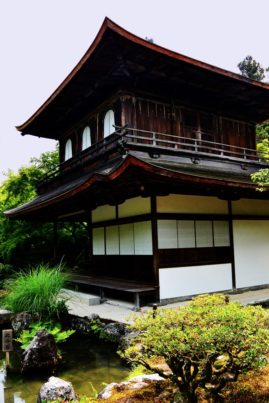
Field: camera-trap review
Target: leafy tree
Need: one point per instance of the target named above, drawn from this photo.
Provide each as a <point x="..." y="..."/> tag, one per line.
<point x="206" y="344"/>
<point x="262" y="138"/>
<point x="261" y="177"/>
<point x="17" y="236"/>
<point x="262" y="131"/>
<point x="31" y="242"/>
<point x="251" y="69"/>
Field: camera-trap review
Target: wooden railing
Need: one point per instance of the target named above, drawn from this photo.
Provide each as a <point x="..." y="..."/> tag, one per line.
<point x="156" y="144"/>
<point x="196" y="144"/>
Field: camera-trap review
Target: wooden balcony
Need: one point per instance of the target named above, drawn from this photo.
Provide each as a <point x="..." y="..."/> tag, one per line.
<point x="154" y="144"/>
<point x="197" y="145"/>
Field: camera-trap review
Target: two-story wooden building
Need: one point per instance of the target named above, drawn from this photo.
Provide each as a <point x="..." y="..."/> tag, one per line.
<point x="156" y="153"/>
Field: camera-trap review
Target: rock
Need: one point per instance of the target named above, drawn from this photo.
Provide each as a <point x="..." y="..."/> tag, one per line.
<point x="147" y="378"/>
<point x="136" y="383"/>
<point x="81" y="325"/>
<point x="108" y="391"/>
<point x="127" y="339"/>
<point x="41" y="354"/>
<point x="22" y="320"/>
<point x="56" y="388"/>
<point x="115" y="330"/>
<point x="93" y="316"/>
<point x="5" y="316"/>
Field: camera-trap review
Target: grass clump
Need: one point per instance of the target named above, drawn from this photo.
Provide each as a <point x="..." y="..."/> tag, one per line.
<point x="36" y="291"/>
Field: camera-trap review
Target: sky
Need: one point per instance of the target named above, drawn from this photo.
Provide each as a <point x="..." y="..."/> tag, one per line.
<point x="42" y="40"/>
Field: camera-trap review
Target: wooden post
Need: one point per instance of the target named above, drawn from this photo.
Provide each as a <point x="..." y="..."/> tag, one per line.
<point x="7" y="344"/>
<point x="7" y="359"/>
<point x="232" y="242"/>
<point x="155" y="242"/>
<point x="89" y="231"/>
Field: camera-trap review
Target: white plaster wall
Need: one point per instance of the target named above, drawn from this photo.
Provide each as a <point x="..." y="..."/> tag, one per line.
<point x="135" y="206"/>
<point x="191" y="204"/>
<point x="251" y="252"/>
<point x="192" y="280"/>
<point x="248" y="207"/>
<point x="104" y="213"/>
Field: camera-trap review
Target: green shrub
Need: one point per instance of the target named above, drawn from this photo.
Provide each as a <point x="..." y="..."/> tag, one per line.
<point x="206" y="344"/>
<point x="53" y="328"/>
<point x="37" y="291"/>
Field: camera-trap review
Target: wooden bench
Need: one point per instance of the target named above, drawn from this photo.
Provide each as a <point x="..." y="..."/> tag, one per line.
<point x="135" y="288"/>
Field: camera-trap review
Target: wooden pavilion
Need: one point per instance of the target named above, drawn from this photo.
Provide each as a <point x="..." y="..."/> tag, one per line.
<point x="156" y="153"/>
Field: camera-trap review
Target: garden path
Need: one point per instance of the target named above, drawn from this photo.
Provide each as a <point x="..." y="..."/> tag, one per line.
<point x="82" y="304"/>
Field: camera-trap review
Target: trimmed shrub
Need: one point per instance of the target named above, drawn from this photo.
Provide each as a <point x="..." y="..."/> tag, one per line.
<point x="206" y="344"/>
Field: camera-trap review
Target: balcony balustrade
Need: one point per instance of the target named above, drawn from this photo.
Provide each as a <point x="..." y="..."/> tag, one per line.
<point x="155" y="144"/>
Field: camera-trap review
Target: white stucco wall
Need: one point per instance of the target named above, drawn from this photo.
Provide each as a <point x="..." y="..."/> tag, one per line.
<point x="251" y="251"/>
<point x="250" y="207"/>
<point x="103" y="213"/>
<point x="135" y="206"/>
<point x="192" y="280"/>
<point x="191" y="204"/>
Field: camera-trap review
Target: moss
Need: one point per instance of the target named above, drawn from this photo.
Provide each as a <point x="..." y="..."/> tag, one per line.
<point x="252" y="387"/>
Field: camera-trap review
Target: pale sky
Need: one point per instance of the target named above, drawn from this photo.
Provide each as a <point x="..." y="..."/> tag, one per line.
<point x="42" y="40"/>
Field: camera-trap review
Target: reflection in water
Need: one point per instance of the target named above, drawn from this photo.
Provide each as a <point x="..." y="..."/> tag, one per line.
<point x="18" y="399"/>
<point x="87" y="363"/>
<point x="2" y="382"/>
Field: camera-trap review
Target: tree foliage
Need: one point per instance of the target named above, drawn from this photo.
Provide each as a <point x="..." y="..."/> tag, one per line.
<point x="261" y="177"/>
<point x="24" y="242"/>
<point x="17" y="237"/>
<point x="205" y="344"/>
<point x="251" y="69"/>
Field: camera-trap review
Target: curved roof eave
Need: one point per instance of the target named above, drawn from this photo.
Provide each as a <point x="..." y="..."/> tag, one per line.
<point x="110" y="25"/>
<point x="115" y="172"/>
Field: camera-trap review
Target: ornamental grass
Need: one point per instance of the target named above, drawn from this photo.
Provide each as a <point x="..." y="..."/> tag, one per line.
<point x="36" y="291"/>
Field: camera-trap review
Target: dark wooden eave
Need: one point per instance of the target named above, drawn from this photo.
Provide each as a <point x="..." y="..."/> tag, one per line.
<point x="118" y="60"/>
<point x="131" y="177"/>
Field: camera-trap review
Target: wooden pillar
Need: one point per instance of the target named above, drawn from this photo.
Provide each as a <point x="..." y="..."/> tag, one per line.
<point x="90" y="240"/>
<point x="155" y="249"/>
<point x="232" y="242"/>
<point x="55" y="240"/>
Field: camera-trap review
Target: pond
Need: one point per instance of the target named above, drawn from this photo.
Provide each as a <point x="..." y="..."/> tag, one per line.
<point x="89" y="364"/>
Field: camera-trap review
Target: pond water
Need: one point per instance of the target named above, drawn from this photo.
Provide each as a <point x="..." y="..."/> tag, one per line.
<point x="88" y="364"/>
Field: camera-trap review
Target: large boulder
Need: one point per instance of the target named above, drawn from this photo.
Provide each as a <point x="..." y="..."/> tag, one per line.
<point x="41" y="354"/>
<point x="55" y="389"/>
